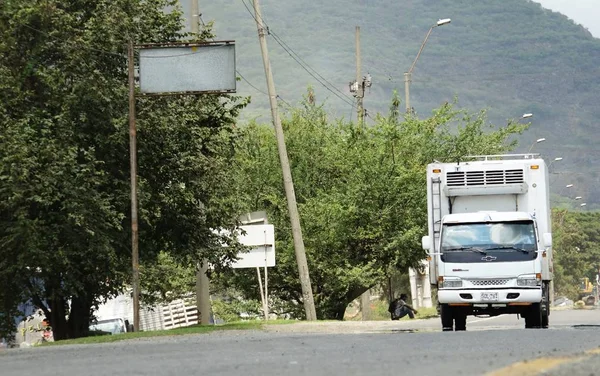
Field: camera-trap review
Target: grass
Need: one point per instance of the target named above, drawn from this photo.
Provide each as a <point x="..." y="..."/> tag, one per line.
<point x="424" y="313"/>
<point x="194" y="329"/>
<point x="427" y="313"/>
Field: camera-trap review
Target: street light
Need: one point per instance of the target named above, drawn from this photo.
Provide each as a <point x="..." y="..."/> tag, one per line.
<point x="566" y="186"/>
<point x="536" y="142"/>
<point x="407" y="75"/>
<point x="557" y="159"/>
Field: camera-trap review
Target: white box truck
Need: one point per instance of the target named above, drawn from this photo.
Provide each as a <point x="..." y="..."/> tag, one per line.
<point x="489" y="242"/>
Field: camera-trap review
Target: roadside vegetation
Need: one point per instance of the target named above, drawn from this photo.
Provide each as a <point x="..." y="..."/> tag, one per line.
<point x="64" y="180"/>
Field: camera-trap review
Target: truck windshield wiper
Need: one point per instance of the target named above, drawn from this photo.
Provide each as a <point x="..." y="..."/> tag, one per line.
<point x="509" y="247"/>
<point x="471" y="249"/>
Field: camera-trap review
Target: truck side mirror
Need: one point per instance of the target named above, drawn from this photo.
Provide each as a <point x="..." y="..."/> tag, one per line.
<point x="426" y="243"/>
<point x="547" y="239"/>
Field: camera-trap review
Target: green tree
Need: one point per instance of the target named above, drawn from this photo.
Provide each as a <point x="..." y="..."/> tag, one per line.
<point x="569" y="264"/>
<point x="360" y="191"/>
<point x="64" y="158"/>
<point x="576" y="250"/>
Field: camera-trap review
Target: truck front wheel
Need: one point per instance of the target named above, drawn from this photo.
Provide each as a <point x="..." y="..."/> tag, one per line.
<point x="546" y="307"/>
<point x="533" y="318"/>
<point x="460" y="320"/>
<point x="447" y="317"/>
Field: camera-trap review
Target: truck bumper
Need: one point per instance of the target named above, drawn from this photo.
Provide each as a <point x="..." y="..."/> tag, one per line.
<point x="504" y="296"/>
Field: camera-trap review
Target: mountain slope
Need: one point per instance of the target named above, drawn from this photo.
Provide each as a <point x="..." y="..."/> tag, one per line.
<point x="509" y="57"/>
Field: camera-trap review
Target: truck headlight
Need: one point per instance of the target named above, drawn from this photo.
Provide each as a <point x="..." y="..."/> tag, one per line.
<point x="529" y="281"/>
<point x="451" y="283"/>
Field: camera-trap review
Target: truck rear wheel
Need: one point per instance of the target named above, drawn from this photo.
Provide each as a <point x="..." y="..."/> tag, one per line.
<point x="447" y="317"/>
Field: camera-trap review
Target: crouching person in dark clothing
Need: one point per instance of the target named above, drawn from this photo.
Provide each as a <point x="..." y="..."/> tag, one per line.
<point x="398" y="308"/>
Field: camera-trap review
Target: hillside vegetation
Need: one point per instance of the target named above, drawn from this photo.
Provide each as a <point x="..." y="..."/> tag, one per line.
<point x="509" y="57"/>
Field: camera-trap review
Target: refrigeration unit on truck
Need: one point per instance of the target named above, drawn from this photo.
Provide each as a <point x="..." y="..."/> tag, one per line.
<point x="489" y="242"/>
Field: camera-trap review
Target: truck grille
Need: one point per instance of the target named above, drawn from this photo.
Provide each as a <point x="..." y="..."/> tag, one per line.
<point x="489" y="282"/>
<point x="482" y="178"/>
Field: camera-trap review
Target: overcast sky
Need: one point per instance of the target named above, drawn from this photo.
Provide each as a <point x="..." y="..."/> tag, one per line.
<point x="583" y="12"/>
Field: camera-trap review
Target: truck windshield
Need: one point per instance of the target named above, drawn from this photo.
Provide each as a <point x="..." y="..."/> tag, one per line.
<point x="488" y="242"/>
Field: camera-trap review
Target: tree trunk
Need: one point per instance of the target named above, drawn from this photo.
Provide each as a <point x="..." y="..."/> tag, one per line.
<point x="340" y="311"/>
<point x="58" y="318"/>
<point x="79" y="317"/>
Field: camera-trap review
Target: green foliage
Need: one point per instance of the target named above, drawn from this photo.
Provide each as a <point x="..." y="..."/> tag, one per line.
<point x="64" y="158"/>
<point x="233" y="310"/>
<point x="163" y="279"/>
<point x="360" y="192"/>
<point x="576" y="250"/>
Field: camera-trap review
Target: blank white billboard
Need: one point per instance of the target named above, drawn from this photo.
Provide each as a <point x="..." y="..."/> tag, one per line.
<point x="198" y="68"/>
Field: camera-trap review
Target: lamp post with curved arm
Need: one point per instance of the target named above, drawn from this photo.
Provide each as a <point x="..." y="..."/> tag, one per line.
<point x="557" y="159"/>
<point x="566" y="186"/>
<point x="408" y="75"/>
<point x="536" y="142"/>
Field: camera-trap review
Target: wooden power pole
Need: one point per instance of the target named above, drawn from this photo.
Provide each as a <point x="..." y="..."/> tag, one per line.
<point x="195" y="17"/>
<point x="202" y="281"/>
<point x="135" y="283"/>
<point x="359" y="79"/>
<point x="307" y="295"/>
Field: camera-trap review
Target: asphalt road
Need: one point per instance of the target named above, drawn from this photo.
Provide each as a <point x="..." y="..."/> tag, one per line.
<point x="373" y="348"/>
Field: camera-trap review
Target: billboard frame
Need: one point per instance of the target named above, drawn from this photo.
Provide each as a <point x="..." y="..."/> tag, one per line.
<point x="150" y="46"/>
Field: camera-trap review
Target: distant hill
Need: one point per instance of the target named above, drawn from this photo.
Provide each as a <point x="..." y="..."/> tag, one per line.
<point x="510" y="57"/>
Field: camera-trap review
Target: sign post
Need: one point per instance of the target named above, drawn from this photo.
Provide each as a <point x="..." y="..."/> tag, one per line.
<point x="181" y="68"/>
<point x="261" y="241"/>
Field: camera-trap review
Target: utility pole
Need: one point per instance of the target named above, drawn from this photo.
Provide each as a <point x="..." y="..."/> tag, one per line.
<point x="135" y="283"/>
<point x="365" y="297"/>
<point x="202" y="281"/>
<point x="307" y="295"/>
<point x="357" y="88"/>
<point x="195" y="17"/>
<point x="360" y="93"/>
<point x="407" y="76"/>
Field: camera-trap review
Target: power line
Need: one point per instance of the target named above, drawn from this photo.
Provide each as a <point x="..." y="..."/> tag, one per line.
<point x="278" y="39"/>
<point x="307" y="71"/>
<point x="286" y="47"/>
<point x="284" y="101"/>
<point x="249" y="83"/>
<point x="324" y="82"/>
<point x="261" y="91"/>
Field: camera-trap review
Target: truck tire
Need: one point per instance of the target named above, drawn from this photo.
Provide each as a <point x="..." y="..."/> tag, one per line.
<point x="460" y="321"/>
<point x="546" y="307"/>
<point x="533" y="319"/>
<point x="545" y="320"/>
<point x="447" y="317"/>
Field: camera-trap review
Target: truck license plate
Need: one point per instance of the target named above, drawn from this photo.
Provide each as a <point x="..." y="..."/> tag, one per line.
<point x="489" y="296"/>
